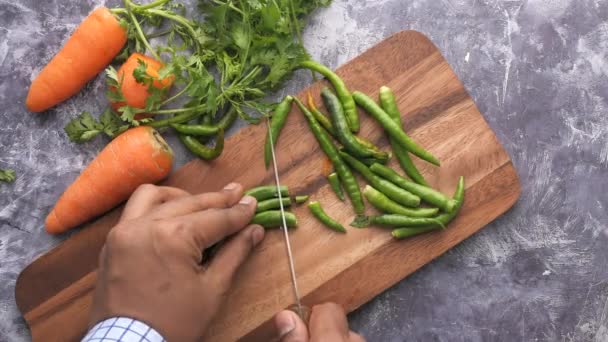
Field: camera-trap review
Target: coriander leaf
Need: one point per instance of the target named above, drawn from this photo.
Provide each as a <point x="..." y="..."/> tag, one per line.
<point x="112" y="77"/>
<point x="140" y="73"/>
<point x="270" y="16"/>
<point x="83" y="128"/>
<point x="155" y="98"/>
<point x="241" y="37"/>
<point x="127" y="114"/>
<point x="7" y="175"/>
<point x="112" y="124"/>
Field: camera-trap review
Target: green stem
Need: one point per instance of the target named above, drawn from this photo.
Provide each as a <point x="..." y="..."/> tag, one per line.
<point x="159" y="34"/>
<point x="295" y="23"/>
<point x="231" y="6"/>
<point x="142" y="36"/>
<point x="180" y="93"/>
<point x="179" y="110"/>
<point x="119" y="11"/>
<point x="146" y="6"/>
<point x="178" y="19"/>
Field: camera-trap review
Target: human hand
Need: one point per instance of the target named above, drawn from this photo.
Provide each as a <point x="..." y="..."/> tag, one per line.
<point x="150" y="268"/>
<point x="327" y="323"/>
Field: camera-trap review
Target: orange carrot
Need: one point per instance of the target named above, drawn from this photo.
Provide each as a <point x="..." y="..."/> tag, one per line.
<point x="138" y="156"/>
<point x="93" y="45"/>
<point x="135" y="93"/>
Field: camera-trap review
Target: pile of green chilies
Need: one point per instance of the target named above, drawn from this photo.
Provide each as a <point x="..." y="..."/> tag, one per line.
<point x="267" y="212"/>
<point x="397" y="197"/>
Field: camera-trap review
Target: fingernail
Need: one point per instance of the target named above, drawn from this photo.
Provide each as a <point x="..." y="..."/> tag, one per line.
<point x="257" y="235"/>
<point x="231" y="186"/>
<point x="247" y="200"/>
<point x="286" y="326"/>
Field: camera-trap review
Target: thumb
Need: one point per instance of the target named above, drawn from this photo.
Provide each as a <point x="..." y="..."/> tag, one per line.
<point x="290" y="327"/>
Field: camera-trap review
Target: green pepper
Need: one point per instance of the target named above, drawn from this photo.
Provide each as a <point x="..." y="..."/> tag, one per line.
<point x="442" y="220"/>
<point x="273" y="219"/>
<point x="334" y="182"/>
<point x="346" y="177"/>
<point x="318" y="212"/>
<point x="389" y="104"/>
<point x="276" y="125"/>
<point x="201" y="150"/>
<point x="343" y="133"/>
<point x="196" y="130"/>
<point x="301" y="199"/>
<point x="427" y="194"/>
<point x="272" y="203"/>
<point x="392" y="191"/>
<point x="392" y="128"/>
<point x="326" y="123"/>
<point x="267" y="191"/>
<point x="350" y="108"/>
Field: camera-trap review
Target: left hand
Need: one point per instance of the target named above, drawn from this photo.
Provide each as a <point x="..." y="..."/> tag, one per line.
<point x="150" y="268"/>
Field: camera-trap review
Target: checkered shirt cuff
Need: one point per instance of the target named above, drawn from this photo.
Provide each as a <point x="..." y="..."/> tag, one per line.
<point x="122" y="329"/>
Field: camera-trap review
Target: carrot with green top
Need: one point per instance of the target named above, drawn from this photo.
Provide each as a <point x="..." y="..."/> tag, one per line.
<point x="138" y="79"/>
<point x="93" y="45"/>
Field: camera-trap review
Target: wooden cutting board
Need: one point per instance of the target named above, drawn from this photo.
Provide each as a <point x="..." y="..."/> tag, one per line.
<point x="54" y="292"/>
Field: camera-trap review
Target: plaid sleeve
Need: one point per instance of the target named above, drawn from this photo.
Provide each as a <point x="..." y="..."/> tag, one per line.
<point x="122" y="329"/>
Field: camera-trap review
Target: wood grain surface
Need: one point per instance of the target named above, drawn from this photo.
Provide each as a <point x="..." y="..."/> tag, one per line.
<point x="54" y="292"/>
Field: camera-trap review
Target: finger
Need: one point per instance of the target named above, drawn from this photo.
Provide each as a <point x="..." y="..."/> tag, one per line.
<point x="328" y="323"/>
<point x="212" y="225"/>
<point x="234" y="253"/>
<point x="354" y="337"/>
<point x="225" y="198"/>
<point x="148" y="196"/>
<point x="290" y="328"/>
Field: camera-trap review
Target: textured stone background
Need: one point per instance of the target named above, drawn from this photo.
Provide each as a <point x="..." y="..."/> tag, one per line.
<point x="537" y="70"/>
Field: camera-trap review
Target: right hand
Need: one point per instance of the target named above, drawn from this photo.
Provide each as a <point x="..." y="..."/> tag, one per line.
<point x="327" y="323"/>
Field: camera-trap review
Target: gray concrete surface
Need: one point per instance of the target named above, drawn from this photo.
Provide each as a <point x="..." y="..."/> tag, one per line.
<point x="538" y="71"/>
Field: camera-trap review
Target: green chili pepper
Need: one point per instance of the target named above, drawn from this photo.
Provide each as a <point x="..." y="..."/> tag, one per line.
<point x="318" y="212"/>
<point x="205" y="119"/>
<point x="343" y="133"/>
<point x="442" y="220"/>
<point x="180" y="118"/>
<point x="392" y="220"/>
<point x="201" y="150"/>
<point x="389" y="104"/>
<point x="350" y="109"/>
<point x="392" y="128"/>
<point x="392" y="191"/>
<point x="372" y="161"/>
<point x="334" y="182"/>
<point x="267" y="191"/>
<point x="301" y="199"/>
<point x="272" y="203"/>
<point x="386" y="205"/>
<point x="346" y="176"/>
<point x="228" y="119"/>
<point x="273" y="219"/>
<point x="427" y="194"/>
<point x="276" y="125"/>
<point x="326" y="123"/>
<point x="320" y="117"/>
<point x="196" y="130"/>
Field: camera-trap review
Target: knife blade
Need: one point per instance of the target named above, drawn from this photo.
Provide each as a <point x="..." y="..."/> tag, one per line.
<point x="292" y="270"/>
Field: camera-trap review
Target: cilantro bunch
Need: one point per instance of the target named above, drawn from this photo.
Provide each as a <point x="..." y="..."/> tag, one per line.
<point x="234" y="56"/>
